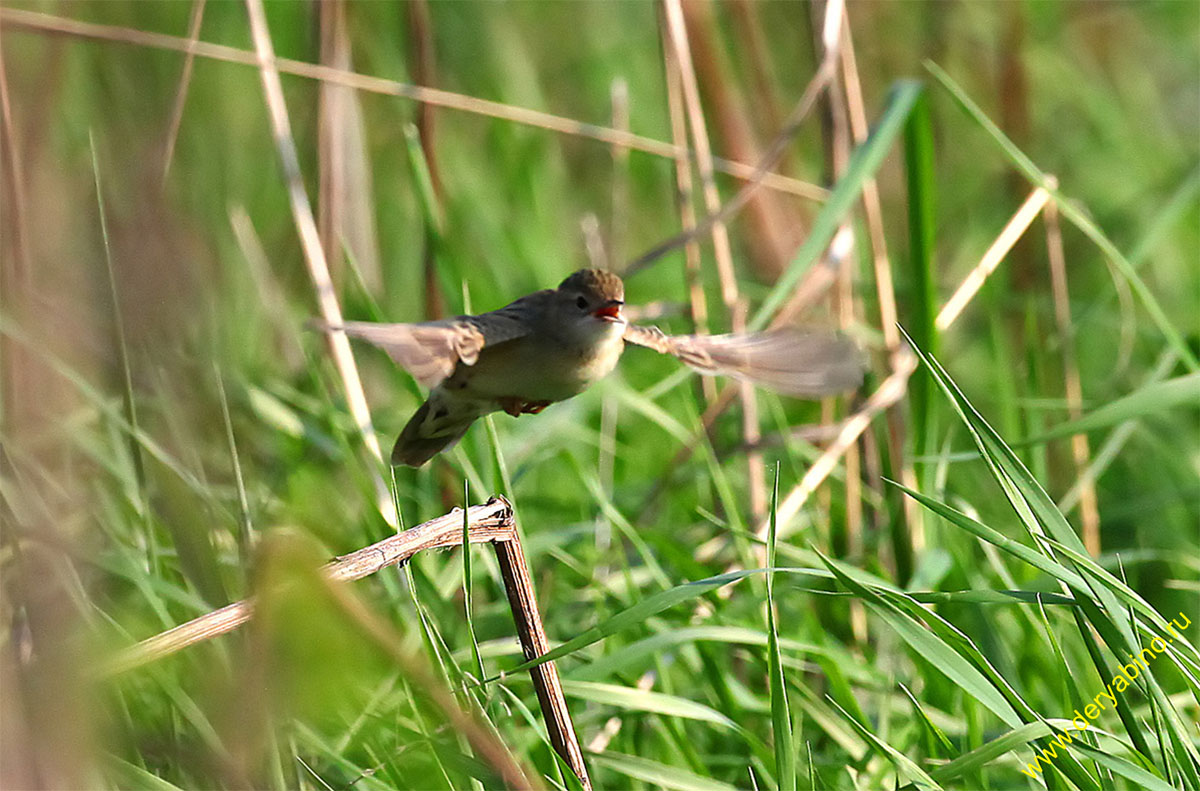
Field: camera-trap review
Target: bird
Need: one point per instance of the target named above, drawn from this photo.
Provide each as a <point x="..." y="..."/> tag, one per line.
<point x="553" y="344"/>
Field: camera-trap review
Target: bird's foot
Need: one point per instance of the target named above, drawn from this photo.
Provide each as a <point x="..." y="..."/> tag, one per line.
<point x="519" y="406"/>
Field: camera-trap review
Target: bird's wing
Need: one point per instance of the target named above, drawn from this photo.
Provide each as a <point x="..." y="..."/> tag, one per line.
<point x="431" y="350"/>
<point x="787" y="360"/>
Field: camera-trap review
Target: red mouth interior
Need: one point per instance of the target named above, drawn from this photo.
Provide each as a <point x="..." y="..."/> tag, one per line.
<point x="608" y="312"/>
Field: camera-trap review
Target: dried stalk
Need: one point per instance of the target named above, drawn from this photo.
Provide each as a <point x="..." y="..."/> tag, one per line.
<point x="1089" y="511"/>
<point x="722" y="252"/>
<point x="46" y="23"/>
<point x="999" y="248"/>
<point x="519" y="587"/>
<point x="334" y="120"/>
<point x="773" y="228"/>
<point x="423" y="66"/>
<point x="185" y="81"/>
<point x="491" y="523"/>
<point x="10" y="148"/>
<point x="488" y="523"/>
<point x="314" y="254"/>
<point x="884" y="290"/>
<point x="845" y="303"/>
<point x="618" y="228"/>
<point x="775" y="152"/>
<point x="698" y="304"/>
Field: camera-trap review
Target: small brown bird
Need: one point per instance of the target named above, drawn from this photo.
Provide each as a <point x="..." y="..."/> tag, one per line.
<point x="553" y="344"/>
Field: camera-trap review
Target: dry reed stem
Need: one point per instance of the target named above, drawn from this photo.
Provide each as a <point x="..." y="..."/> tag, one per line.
<point x="519" y="587"/>
<point x="181" y="93"/>
<point x="1000" y="247"/>
<point x="1089" y="512"/>
<point x="884" y="289"/>
<point x="722" y="251"/>
<point x="332" y="119"/>
<point x="46" y="23"/>
<point x="697" y="303"/>
<point x="872" y="208"/>
<point x="771" y="226"/>
<point x="490" y="523"/>
<point x="423" y="66"/>
<point x="16" y="187"/>
<point x="314" y="255"/>
<point x="752" y="43"/>
<point x="677" y="33"/>
<point x="775" y="152"/>
<point x="846" y="308"/>
<point x="619" y="223"/>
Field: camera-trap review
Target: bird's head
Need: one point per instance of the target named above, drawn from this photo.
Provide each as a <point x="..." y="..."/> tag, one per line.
<point x="591" y="299"/>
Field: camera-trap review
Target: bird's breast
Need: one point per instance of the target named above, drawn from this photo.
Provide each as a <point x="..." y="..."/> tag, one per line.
<point x="539" y="369"/>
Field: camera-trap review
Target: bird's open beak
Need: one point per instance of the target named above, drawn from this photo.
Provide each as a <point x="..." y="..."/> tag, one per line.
<point x="610" y="311"/>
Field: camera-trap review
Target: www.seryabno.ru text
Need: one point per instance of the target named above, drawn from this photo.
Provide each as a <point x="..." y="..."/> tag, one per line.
<point x="1107" y="698"/>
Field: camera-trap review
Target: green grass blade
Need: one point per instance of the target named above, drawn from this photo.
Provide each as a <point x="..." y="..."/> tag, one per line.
<point x="1040" y="516"/>
<point x="1147" y="400"/>
<point x="128" y="401"/>
<point x="904" y="765"/>
<point x="947" y="661"/>
<point x="1126" y="769"/>
<point x="657" y="774"/>
<point x="922" y="302"/>
<point x="468" y="599"/>
<point x="781" y="717"/>
<point x="637" y="614"/>
<point x="936" y="734"/>
<point x="632" y="699"/>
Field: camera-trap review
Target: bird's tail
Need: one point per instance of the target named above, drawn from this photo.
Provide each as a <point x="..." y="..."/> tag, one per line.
<point x="436" y="426"/>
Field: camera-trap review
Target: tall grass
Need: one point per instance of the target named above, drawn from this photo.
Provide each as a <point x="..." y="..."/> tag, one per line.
<point x="173" y="440"/>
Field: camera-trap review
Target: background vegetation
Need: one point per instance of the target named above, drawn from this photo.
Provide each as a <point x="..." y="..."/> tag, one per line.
<point x="173" y="440"/>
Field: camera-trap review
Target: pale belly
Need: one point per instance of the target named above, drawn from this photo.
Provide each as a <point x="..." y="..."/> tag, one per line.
<point x="534" y="371"/>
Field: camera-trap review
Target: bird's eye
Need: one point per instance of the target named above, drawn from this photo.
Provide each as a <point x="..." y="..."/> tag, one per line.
<point x="581" y="303"/>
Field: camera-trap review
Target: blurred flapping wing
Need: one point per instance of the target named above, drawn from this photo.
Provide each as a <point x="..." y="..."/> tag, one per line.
<point x="430" y="351"/>
<point x="788" y="360"/>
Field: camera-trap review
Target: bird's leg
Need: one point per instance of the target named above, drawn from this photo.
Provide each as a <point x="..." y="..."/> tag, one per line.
<point x="519" y="406"/>
<point x="511" y="404"/>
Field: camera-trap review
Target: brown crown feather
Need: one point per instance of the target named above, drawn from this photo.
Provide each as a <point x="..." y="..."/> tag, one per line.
<point x="601" y="282"/>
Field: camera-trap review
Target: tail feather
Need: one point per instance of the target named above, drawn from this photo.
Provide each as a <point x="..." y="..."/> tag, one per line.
<point x="434" y="427"/>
